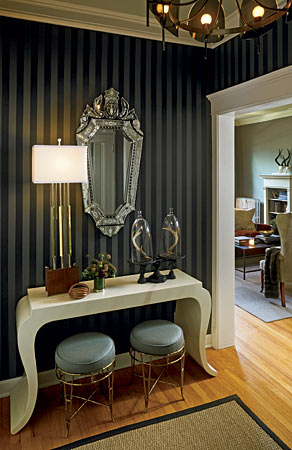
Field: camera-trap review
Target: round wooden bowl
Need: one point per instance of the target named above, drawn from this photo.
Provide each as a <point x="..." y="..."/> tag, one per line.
<point x="266" y="232"/>
<point x="78" y="290"/>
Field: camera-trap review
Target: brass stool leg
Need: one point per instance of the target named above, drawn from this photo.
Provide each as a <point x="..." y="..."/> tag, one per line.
<point x="69" y="407"/>
<point x="169" y="359"/>
<point x="62" y="389"/>
<point x="111" y="394"/>
<point x="166" y="367"/>
<point x="146" y="385"/>
<point x="92" y="379"/>
<point x="144" y="381"/>
<point x="182" y="370"/>
<point x="132" y="364"/>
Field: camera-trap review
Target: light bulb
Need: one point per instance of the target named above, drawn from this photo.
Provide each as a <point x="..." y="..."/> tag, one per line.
<point x="206" y="19"/>
<point x="258" y="12"/>
<point x="160" y="8"/>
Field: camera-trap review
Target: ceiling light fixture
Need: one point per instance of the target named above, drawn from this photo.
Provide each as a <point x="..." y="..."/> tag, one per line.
<point x="205" y="19"/>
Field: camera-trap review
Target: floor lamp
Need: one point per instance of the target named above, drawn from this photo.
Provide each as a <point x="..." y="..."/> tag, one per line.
<point x="59" y="165"/>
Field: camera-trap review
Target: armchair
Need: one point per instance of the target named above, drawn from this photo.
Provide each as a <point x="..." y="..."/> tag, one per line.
<point x="284" y="225"/>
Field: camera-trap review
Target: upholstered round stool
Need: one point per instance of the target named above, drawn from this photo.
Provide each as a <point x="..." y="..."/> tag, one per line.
<point x="151" y="340"/>
<point x="81" y="360"/>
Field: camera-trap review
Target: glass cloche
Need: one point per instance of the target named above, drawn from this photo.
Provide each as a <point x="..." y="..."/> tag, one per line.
<point x="141" y="241"/>
<point x="171" y="236"/>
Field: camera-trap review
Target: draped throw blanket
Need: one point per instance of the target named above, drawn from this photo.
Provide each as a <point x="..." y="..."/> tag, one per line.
<point x="271" y="274"/>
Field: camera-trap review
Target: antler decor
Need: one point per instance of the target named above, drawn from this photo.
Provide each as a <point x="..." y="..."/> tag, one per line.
<point x="285" y="163"/>
<point x="134" y="236"/>
<point x="175" y="234"/>
<point x="278" y="156"/>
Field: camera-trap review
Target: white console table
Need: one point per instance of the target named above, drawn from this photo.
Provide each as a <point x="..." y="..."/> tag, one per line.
<point x="193" y="308"/>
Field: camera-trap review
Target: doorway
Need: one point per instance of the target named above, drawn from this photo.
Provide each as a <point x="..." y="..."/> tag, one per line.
<point x="271" y="90"/>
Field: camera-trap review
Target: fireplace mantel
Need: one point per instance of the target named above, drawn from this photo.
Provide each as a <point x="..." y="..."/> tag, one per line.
<point x="273" y="205"/>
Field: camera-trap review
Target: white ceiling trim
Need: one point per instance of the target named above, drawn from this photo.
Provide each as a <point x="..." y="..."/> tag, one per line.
<point x="86" y="17"/>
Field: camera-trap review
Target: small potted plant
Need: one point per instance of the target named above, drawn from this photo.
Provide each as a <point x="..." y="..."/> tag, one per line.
<point x="99" y="269"/>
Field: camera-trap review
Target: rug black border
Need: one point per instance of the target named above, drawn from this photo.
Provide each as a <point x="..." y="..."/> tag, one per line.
<point x="184" y="412"/>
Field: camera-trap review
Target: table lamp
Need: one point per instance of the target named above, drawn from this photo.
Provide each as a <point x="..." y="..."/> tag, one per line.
<point x="60" y="165"/>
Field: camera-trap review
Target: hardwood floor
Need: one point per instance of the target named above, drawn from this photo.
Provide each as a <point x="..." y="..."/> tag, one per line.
<point x="258" y="369"/>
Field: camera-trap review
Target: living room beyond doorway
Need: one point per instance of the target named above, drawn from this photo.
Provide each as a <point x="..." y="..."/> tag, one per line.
<point x="258" y="139"/>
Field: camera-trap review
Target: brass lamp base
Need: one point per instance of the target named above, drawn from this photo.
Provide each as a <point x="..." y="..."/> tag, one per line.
<point x="59" y="281"/>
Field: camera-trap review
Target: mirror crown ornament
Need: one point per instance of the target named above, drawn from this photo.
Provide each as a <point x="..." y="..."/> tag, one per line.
<point x="108" y="106"/>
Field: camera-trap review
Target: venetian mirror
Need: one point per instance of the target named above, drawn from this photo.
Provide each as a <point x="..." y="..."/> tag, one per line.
<point x="111" y="130"/>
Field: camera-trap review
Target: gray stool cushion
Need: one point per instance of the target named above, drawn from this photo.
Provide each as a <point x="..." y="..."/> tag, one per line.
<point x="157" y="337"/>
<point x="85" y="353"/>
<point x="262" y="264"/>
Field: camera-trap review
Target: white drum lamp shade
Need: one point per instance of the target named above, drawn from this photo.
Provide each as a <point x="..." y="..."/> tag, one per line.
<point x="59" y="164"/>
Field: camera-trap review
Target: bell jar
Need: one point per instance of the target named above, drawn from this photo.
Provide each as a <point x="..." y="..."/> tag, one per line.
<point x="171" y="237"/>
<point x="141" y="241"/>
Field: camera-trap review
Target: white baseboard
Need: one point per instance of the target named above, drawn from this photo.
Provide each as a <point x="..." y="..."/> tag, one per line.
<point x="48" y="378"/>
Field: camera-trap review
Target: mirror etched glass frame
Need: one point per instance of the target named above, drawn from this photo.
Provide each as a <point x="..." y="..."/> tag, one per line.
<point x="109" y="114"/>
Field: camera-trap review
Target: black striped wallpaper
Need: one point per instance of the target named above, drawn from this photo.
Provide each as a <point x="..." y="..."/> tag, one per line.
<point x="238" y="60"/>
<point x="48" y="74"/>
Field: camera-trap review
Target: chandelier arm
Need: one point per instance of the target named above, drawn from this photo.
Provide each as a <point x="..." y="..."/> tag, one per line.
<point x="191" y="2"/>
<point x="184" y="4"/>
<point x="269" y="20"/>
<point x="269" y="8"/>
<point x="235" y="30"/>
<point x="223" y="31"/>
<point x="159" y="2"/>
<point x="218" y="12"/>
<point x="241" y="16"/>
<point x="178" y="23"/>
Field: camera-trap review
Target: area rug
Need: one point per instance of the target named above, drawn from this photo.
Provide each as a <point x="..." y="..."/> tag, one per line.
<point x="249" y="298"/>
<point x="226" y="424"/>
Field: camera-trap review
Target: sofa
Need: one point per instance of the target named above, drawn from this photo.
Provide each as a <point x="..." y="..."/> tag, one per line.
<point x="244" y="226"/>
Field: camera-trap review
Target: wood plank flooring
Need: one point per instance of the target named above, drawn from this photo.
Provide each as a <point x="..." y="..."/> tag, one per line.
<point x="258" y="369"/>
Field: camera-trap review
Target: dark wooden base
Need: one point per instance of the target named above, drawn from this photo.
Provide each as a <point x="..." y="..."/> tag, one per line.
<point x="282" y="290"/>
<point x="59" y="281"/>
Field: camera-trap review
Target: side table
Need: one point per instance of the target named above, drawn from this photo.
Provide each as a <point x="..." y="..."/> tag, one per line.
<point x="249" y="251"/>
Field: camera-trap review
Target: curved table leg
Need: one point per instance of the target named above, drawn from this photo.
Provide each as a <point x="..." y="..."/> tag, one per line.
<point x="23" y="396"/>
<point x="193" y="315"/>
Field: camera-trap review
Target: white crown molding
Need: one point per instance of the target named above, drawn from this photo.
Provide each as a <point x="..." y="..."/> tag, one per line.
<point x="249" y="94"/>
<point x="91" y="18"/>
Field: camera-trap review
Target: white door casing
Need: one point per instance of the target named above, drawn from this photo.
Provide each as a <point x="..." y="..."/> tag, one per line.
<point x="270" y="90"/>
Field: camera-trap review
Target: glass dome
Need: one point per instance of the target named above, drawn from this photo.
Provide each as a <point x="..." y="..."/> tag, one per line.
<point x="141" y="241"/>
<point x="171" y="236"/>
